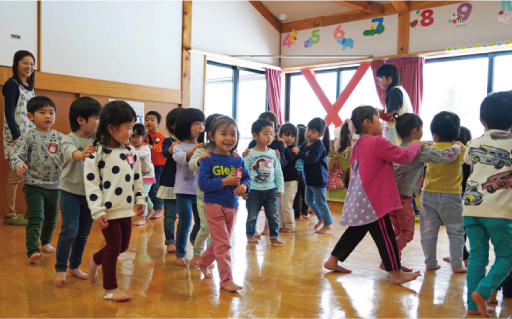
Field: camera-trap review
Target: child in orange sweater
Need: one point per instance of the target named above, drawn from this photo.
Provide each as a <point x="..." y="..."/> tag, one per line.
<point x="152" y="123"/>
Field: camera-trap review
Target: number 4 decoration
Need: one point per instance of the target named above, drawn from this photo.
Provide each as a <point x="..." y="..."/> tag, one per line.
<point x="290" y="39"/>
<point x="314" y="39"/>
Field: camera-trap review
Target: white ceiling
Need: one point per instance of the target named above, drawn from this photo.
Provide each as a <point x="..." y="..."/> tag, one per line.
<point x="299" y="10"/>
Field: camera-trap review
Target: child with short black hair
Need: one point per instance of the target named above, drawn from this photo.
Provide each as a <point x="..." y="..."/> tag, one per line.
<point x="114" y="188"/>
<point x="267" y="183"/>
<point x="152" y="123"/>
<point x="299" y="203"/>
<point x="168" y="179"/>
<point x="487" y="212"/>
<point x="84" y="115"/>
<point x="440" y="199"/>
<point x="37" y="158"/>
<point x="288" y="132"/>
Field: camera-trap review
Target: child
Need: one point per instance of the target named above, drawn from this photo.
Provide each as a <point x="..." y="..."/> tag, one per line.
<point x="288" y="132"/>
<point x="152" y="123"/>
<point x="267" y="186"/>
<point x="168" y="177"/>
<point x="372" y="193"/>
<point x="194" y="164"/>
<point x="113" y="184"/>
<point x="397" y="99"/>
<point x="440" y="199"/>
<point x="189" y="126"/>
<point x="223" y="178"/>
<point x="76" y="217"/>
<point x="299" y="203"/>
<point x="487" y="211"/>
<point x="148" y="170"/>
<point x="314" y="154"/>
<point x="409" y="127"/>
<point x="37" y="159"/>
<point x="17" y="91"/>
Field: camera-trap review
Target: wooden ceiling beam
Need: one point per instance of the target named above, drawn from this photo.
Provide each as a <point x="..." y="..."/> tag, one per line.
<point x="401" y="6"/>
<point x="266" y="14"/>
<point x="364" y="6"/>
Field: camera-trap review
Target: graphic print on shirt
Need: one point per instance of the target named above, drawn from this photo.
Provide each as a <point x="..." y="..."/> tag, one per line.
<point x="263" y="168"/>
<point x="498" y="181"/>
<point x="357" y="210"/>
<point x="488" y="155"/>
<point x="189" y="176"/>
<point x="472" y="197"/>
<point x="501" y="136"/>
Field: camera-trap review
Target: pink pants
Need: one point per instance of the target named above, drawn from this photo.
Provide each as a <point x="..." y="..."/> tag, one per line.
<point x="403" y="221"/>
<point x="221" y="221"/>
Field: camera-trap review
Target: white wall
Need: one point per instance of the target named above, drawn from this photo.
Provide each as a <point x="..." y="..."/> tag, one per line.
<point x="376" y="45"/>
<point x="231" y="28"/>
<point x="136" y="42"/>
<point x="20" y="18"/>
<point x="481" y="27"/>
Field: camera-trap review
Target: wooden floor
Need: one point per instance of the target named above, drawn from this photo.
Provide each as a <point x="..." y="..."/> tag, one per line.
<point x="279" y="282"/>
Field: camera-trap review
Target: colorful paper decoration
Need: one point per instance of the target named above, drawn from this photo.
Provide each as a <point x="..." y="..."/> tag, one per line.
<point x="505" y="15"/>
<point x="375" y="30"/>
<point x="314" y="39"/>
<point x="290" y="39"/>
<point x="461" y="17"/>
<point x="424" y="18"/>
<point x="308" y="43"/>
<point x="477" y="47"/>
<point x="339" y="36"/>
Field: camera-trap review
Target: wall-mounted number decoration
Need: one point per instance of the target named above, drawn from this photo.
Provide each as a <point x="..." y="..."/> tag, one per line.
<point x="461" y="17"/>
<point x="379" y="29"/>
<point x="290" y="39"/>
<point x="505" y="15"/>
<point x="424" y="18"/>
<point x="339" y="36"/>
<point x="314" y="39"/>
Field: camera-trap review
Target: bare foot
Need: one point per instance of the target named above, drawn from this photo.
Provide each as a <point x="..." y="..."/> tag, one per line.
<point x="192" y="242"/>
<point x="151" y="212"/>
<point x="320" y="223"/>
<point x="435" y="268"/>
<point x="287" y="231"/>
<point x="494" y="297"/>
<point x="158" y="214"/>
<point x="399" y="277"/>
<point x="180" y="261"/>
<point x="252" y="240"/>
<point x="35" y="257"/>
<point x="447" y="259"/>
<point x="265" y="231"/>
<point x="212" y="266"/>
<point x="257" y="236"/>
<point x="404" y="269"/>
<point x="277" y="242"/>
<point x="171" y="248"/>
<point x="60" y="278"/>
<point x="116" y="295"/>
<point x="481" y="304"/>
<point x="231" y="287"/>
<point x="305" y="217"/>
<point x="78" y="274"/>
<point x="460" y="270"/>
<point x="92" y="274"/>
<point x="195" y="260"/>
<point x="49" y="249"/>
<point x="206" y="272"/>
<point x="310" y="211"/>
<point x="323" y="230"/>
<point x="140" y="222"/>
<point x="332" y="264"/>
<point x="281" y="230"/>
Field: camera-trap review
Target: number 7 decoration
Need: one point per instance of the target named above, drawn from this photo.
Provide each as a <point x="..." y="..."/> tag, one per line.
<point x="332" y="110"/>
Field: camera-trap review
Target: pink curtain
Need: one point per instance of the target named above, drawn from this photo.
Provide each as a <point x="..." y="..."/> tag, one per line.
<point x="273" y="78"/>
<point x="411" y="78"/>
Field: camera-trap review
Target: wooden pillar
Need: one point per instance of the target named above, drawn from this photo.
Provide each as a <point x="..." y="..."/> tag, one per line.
<point x="186" y="44"/>
<point x="403" y="32"/>
<point x="39" y="48"/>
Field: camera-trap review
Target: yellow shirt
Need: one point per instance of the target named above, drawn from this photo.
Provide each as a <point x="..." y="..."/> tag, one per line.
<point x="447" y="177"/>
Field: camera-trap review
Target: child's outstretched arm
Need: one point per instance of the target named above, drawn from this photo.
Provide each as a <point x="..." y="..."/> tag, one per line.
<point x="315" y="152"/>
<point x="168" y="147"/>
<point x="18" y="155"/>
<point x="158" y="147"/>
<point x="467" y="158"/>
<point x="395" y="154"/>
<point x="195" y="161"/>
<point x="437" y="156"/>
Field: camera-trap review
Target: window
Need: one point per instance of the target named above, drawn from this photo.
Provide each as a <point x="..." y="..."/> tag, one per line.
<point x="365" y="93"/>
<point x="251" y="103"/>
<point x="502" y="72"/>
<point x="218" y="90"/>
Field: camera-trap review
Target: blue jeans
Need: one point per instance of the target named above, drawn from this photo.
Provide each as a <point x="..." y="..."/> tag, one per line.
<point x="268" y="200"/>
<point x="158" y="203"/>
<point x="76" y="226"/>
<point x="170" y="210"/>
<point x="480" y="230"/>
<point x="315" y="198"/>
<point x="186" y="204"/>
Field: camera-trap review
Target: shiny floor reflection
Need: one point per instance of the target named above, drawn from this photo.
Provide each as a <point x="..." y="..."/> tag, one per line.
<point x="279" y="282"/>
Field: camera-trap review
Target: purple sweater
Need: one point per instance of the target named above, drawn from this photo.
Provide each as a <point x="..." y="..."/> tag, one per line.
<point x="186" y="180"/>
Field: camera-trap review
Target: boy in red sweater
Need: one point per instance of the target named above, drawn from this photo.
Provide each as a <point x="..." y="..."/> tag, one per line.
<point x="152" y="123"/>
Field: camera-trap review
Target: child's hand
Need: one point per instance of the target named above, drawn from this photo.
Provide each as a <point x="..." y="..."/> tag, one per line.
<point x="279" y="194"/>
<point x="231" y="180"/>
<point x="245" y="197"/>
<point x="88" y="150"/>
<point x="278" y="154"/>
<point x="420" y="143"/>
<point x="296" y="150"/>
<point x="235" y="154"/>
<point x="140" y="208"/>
<point x="204" y="155"/>
<point x="246" y="152"/>
<point x="151" y="147"/>
<point x="21" y="169"/>
<point x="200" y="145"/>
<point x="240" y="190"/>
<point x="175" y="143"/>
<point x="458" y="143"/>
<point x="102" y="221"/>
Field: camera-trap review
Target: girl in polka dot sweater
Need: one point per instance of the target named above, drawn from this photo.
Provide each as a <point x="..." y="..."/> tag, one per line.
<point x="115" y="191"/>
<point x="372" y="193"/>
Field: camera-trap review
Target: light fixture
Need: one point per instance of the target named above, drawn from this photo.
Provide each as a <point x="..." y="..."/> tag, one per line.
<point x="282" y="16"/>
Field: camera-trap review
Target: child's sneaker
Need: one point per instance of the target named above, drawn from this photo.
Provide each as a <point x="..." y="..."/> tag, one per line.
<point x="17" y="220"/>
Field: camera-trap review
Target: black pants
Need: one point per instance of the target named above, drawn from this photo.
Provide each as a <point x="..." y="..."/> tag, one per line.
<point x="299" y="203"/>
<point x="465" y="252"/>
<point x="383" y="236"/>
<point x="506" y="286"/>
